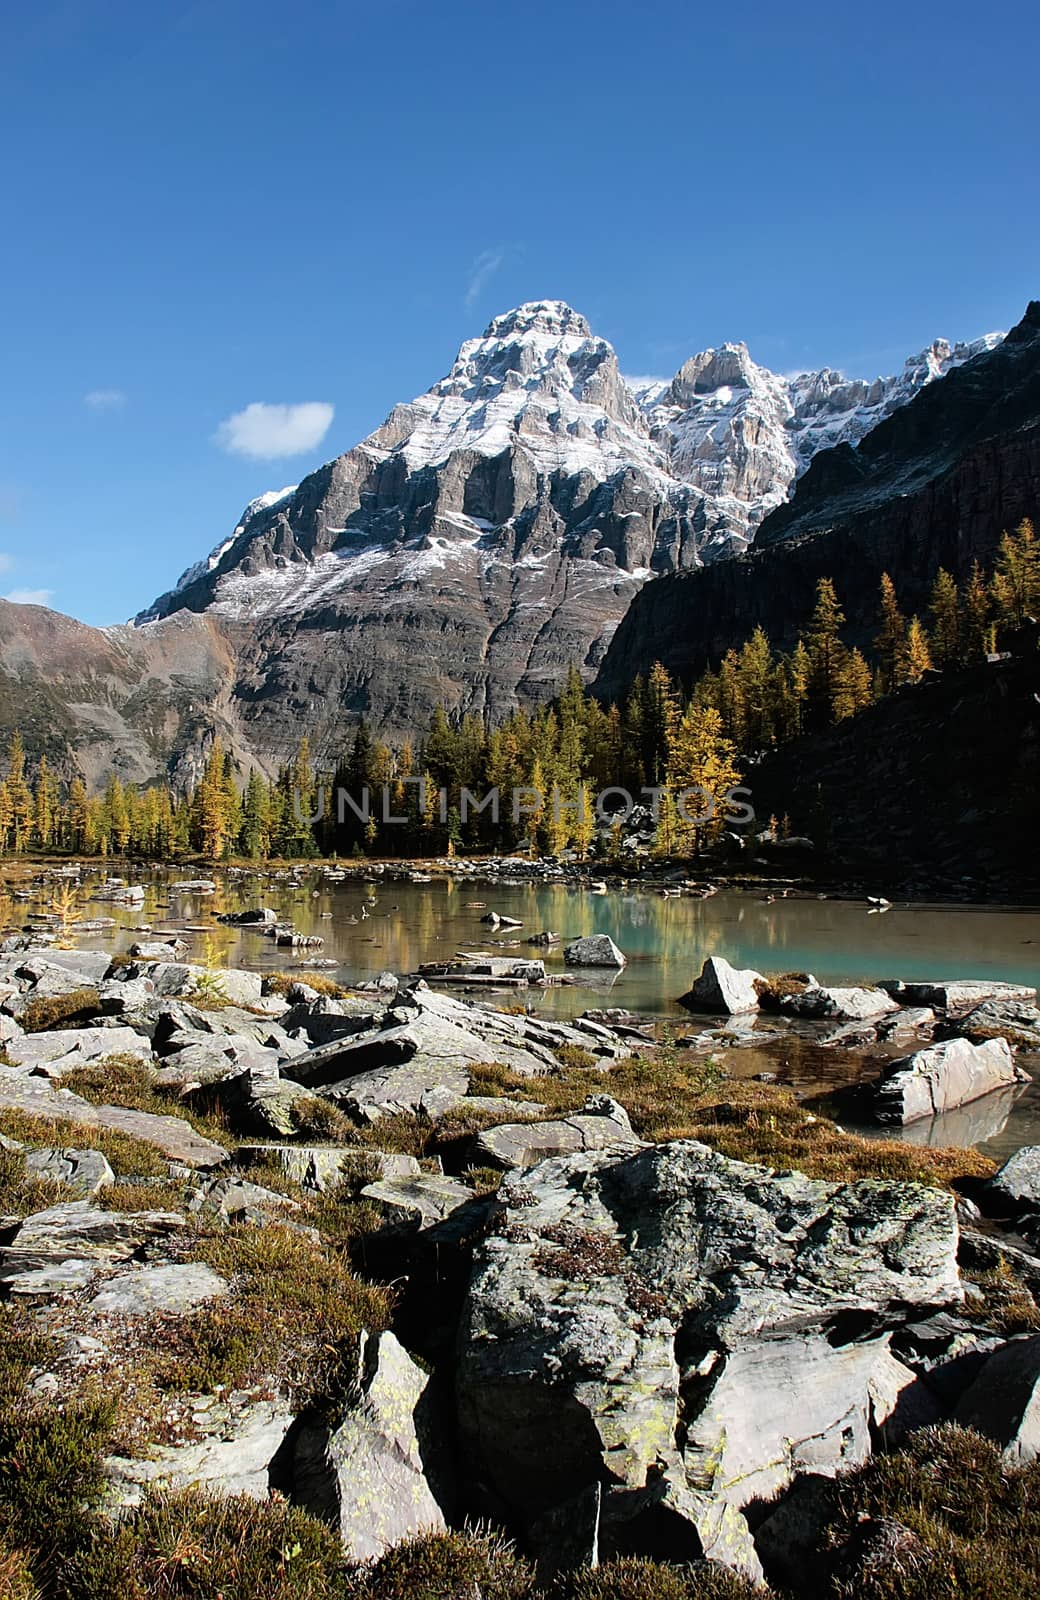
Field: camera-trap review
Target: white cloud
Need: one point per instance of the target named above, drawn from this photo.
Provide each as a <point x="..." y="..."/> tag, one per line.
<point x="482" y="270"/>
<point x="29" y="597"/>
<point x="105" y="400"/>
<point x="265" y="432"/>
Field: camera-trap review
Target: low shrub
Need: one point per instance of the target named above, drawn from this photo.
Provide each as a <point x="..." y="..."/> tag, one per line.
<point x="46" y="1012"/>
<point x="447" y="1566"/>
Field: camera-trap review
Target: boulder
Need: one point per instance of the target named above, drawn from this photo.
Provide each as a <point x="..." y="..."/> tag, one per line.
<point x="174" y="1288"/>
<point x="594" y="950"/>
<point x="851" y="1005"/>
<point x="942" y="1077"/>
<point x="371" y="1476"/>
<point x="424" y="1199"/>
<point x="82" y="1171"/>
<point x="571" y="1368"/>
<point x="1004" y="1401"/>
<point x="722" y="988"/>
<point x="602" y="1125"/>
<point x="434" y="1086"/>
<point x="158" y="949"/>
<point x="85" y="967"/>
<point x="1016" y="1187"/>
<point x="227" y="983"/>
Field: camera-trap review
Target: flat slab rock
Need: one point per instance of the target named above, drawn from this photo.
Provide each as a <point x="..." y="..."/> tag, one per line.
<point x="69" y="1047"/>
<point x="173" y="1287"/>
<point x="957" y="994"/>
<point x="1017" y="1021"/>
<point x="522" y="1144"/>
<point x="567" y="1370"/>
<point x="426" y="1199"/>
<point x="942" y="1077"/>
<point x="318" y="1168"/>
<point x="171" y="1135"/>
<point x="66" y="1245"/>
<point x="852" y="1005"/>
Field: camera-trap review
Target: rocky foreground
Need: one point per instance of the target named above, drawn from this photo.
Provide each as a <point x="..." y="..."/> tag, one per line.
<point x="382" y="1264"/>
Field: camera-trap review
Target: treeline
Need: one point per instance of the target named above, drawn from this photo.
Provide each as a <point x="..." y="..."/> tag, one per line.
<point x="548" y="766"/>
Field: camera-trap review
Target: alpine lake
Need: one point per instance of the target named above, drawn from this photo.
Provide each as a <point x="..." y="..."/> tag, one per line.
<point x="382" y="923"/>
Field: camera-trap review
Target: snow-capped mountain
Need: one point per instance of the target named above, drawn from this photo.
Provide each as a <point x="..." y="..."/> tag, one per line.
<point x="496" y="528"/>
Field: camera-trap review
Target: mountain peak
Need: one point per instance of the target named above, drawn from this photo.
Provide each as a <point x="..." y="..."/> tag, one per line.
<point x="552" y="318"/>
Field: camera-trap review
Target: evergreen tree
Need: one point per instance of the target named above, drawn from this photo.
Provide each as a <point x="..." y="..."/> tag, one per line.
<point x="825" y="649"/>
<point x="1015" y="587"/>
<point x="890" y="641"/>
<point x="701" y="758"/>
<point x="975" y="621"/>
<point x="918" y="652"/>
<point x="854" y="688"/>
<point x="945" y="613"/>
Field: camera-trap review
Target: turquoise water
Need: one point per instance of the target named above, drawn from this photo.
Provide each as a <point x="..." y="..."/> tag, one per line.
<point x="665" y="940"/>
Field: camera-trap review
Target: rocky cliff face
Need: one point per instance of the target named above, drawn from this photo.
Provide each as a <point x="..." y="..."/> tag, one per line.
<point x="489" y="533"/>
<point x="498" y="527"/>
<point x="934" y="484"/>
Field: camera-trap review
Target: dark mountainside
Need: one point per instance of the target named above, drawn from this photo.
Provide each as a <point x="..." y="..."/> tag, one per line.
<point x="934" y="790"/>
<point x="933" y="485"/>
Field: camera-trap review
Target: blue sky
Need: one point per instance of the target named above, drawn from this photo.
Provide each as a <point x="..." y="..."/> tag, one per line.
<point x="212" y="206"/>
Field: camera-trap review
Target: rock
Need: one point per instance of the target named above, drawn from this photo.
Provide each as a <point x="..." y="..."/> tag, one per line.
<point x="174" y="1137"/>
<point x="521" y="1144"/>
<point x="82" y="1171"/>
<point x="434" y="1086"/>
<point x="260" y="1102"/>
<point x="260" y="917"/>
<point x="238" y="1200"/>
<point x="193" y="886"/>
<point x="241" y="1440"/>
<point x="1014" y="1020"/>
<point x="545" y="938"/>
<point x="721" y="987"/>
<point x="370" y="1477"/>
<point x="317" y="1168"/>
<point x="957" y="994"/>
<point x="71" y="1047"/>
<point x="158" y="950"/>
<point x="906" y="1023"/>
<point x="423" y="1199"/>
<point x="789" y="1406"/>
<point x="56" y="972"/>
<point x="1004" y="1401"/>
<point x="853" y="1005"/>
<point x="942" y="1077"/>
<point x="66" y="1245"/>
<point x="1016" y="1187"/>
<point x="594" y="950"/>
<point x="228" y="983"/>
<point x="570" y="1368"/>
<point x="171" y="1287"/>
